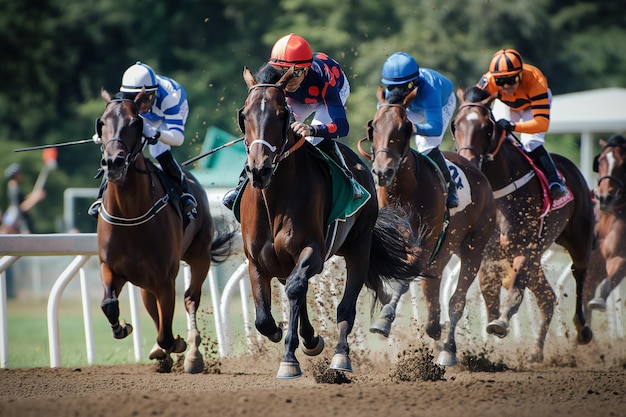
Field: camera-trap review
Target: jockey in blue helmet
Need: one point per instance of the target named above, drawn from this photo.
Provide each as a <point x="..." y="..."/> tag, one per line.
<point x="430" y="111"/>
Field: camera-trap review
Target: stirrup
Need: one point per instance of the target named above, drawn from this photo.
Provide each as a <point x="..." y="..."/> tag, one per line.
<point x="557" y="190"/>
<point x="94" y="209"/>
<point x="229" y="199"/>
<point x="189" y="205"/>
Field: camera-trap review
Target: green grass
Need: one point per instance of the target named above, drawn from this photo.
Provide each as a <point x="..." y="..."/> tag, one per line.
<point x="28" y="334"/>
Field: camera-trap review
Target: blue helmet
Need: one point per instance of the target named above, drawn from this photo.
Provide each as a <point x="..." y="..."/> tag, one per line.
<point x="400" y="68"/>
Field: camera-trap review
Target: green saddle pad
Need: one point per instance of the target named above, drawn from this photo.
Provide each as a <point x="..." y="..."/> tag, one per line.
<point x="343" y="203"/>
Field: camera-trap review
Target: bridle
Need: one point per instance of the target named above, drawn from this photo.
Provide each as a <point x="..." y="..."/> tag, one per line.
<point x="284" y="152"/>
<point x="131" y="155"/>
<point x="400" y="157"/>
<point x="494" y="144"/>
<point x="610" y="177"/>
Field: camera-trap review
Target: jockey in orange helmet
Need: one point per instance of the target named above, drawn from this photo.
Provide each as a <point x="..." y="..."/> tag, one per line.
<point x="523" y="106"/>
<point x="320" y="88"/>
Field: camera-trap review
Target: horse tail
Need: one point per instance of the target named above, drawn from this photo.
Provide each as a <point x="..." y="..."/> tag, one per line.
<point x="396" y="254"/>
<point x="222" y="245"/>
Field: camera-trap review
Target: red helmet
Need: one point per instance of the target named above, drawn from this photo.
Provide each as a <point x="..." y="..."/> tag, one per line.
<point x="291" y="50"/>
<point x="506" y="62"/>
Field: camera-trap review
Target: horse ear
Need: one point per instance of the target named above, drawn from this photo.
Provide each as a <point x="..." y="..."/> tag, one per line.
<point x="105" y="95"/>
<point x="602" y="143"/>
<point x="460" y="94"/>
<point x="380" y="95"/>
<point x="409" y="98"/>
<point x="286" y="77"/>
<point x="248" y="77"/>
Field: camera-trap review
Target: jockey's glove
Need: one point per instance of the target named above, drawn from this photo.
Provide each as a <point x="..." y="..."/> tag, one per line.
<point x="151" y="133"/>
<point x="506" y="125"/>
<point x="96" y="139"/>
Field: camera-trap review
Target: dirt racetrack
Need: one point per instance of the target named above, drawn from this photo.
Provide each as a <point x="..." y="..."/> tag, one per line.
<point x="248" y="387"/>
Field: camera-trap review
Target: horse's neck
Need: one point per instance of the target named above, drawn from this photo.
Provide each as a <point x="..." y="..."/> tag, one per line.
<point x="406" y="184"/>
<point x="136" y="194"/>
<point x="508" y="165"/>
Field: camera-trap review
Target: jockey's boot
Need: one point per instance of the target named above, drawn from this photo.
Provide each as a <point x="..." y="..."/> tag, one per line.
<point x="173" y="170"/>
<point x="544" y="161"/>
<point x="229" y="198"/>
<point x="453" y="198"/>
<point x="331" y="149"/>
<point x="94" y="209"/>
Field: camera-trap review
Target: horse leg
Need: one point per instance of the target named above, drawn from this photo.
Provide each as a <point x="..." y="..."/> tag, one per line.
<point x="194" y="362"/>
<point x="432" y="289"/>
<point x="546" y="301"/>
<point x="296" y="288"/>
<point x="346" y="311"/>
<point x="382" y="325"/>
<point x="261" y="293"/>
<point x="512" y="298"/>
<point x="616" y="270"/>
<point x="467" y="273"/>
<point x="490" y="281"/>
<point x="110" y="305"/>
<point x="160" y="307"/>
<point x="582" y="327"/>
<point x="312" y="345"/>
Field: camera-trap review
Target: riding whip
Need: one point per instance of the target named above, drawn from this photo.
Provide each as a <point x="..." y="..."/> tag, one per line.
<point x="54" y="145"/>
<point x="195" y="158"/>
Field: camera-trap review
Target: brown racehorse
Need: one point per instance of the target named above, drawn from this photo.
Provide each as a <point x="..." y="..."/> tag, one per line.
<point x="610" y="193"/>
<point x="285" y="210"/>
<point x="141" y="238"/>
<point x="526" y="226"/>
<point x="406" y="178"/>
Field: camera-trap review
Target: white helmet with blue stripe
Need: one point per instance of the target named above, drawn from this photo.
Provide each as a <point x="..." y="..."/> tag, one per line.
<point x="137" y="77"/>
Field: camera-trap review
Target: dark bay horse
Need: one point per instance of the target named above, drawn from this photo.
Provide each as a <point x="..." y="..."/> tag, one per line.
<point x="141" y="238"/>
<point x="285" y="212"/>
<point x="526" y="222"/>
<point x="610" y="193"/>
<point x="406" y="178"/>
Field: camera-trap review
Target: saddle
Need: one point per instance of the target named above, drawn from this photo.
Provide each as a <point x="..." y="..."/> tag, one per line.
<point x="172" y="189"/>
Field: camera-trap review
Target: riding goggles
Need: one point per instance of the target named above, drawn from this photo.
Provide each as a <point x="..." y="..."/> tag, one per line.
<point x="297" y="71"/>
<point x="511" y="80"/>
<point x="404" y="88"/>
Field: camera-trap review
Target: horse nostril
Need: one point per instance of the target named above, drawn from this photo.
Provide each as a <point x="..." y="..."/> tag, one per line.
<point x="103" y="163"/>
<point x="118" y="163"/>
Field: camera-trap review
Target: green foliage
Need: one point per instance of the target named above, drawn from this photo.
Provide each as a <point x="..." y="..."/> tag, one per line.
<point x="59" y="53"/>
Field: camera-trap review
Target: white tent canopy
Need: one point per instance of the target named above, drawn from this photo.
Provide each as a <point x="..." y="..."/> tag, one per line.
<point x="587" y="112"/>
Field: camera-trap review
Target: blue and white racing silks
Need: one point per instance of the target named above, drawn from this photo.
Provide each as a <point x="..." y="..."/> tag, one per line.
<point x="170" y="107"/>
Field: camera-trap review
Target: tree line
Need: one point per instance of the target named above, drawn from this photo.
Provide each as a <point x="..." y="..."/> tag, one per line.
<point x="58" y="54"/>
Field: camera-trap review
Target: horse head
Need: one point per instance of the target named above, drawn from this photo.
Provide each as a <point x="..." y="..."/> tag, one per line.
<point x="265" y="120"/>
<point x="390" y="132"/>
<point x="476" y="135"/>
<point x="120" y="130"/>
<point x="610" y="165"/>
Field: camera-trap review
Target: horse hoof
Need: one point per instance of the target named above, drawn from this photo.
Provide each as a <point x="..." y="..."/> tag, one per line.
<point x="597" y="304"/>
<point x="585" y="335"/>
<point x="319" y="347"/>
<point x="157" y="353"/>
<point x="164" y="366"/>
<point x="447" y="359"/>
<point x="123" y="330"/>
<point x="434" y="331"/>
<point x="381" y="326"/>
<point x="179" y="345"/>
<point x="278" y="336"/>
<point x="194" y="364"/>
<point x="498" y="328"/>
<point x="289" y="370"/>
<point x="341" y="362"/>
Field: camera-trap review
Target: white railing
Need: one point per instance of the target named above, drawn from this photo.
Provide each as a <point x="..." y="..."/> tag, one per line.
<point x="84" y="246"/>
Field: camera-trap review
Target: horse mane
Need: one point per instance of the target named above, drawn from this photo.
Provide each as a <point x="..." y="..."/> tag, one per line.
<point x="474" y="94"/>
<point x="267" y="74"/>
<point x="395" y="96"/>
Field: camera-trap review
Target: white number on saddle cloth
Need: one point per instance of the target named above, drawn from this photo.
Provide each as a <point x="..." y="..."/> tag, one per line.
<point x="463" y="189"/>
